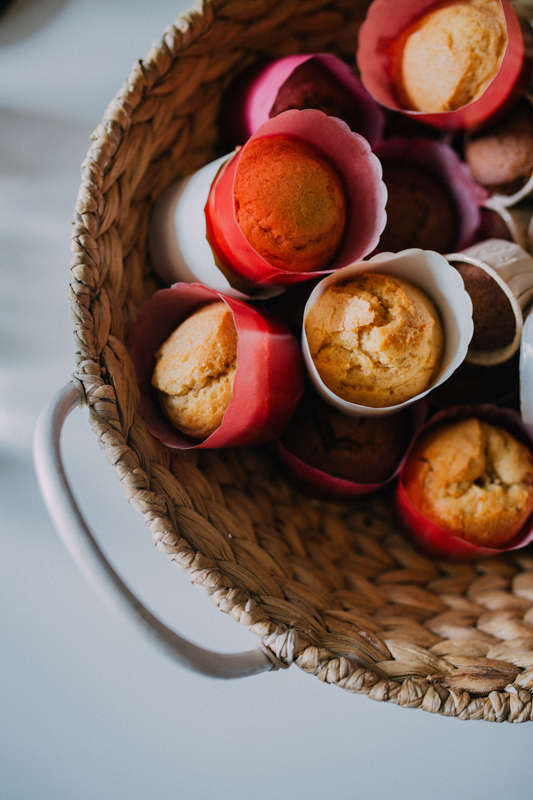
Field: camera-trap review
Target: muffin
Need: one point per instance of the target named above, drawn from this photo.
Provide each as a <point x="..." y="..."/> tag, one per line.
<point x="289" y="203"/>
<point x="450" y="55"/>
<point x="472" y="479"/>
<point x="376" y="341"/>
<point x="494" y="317"/>
<point x="501" y="158"/>
<point x="362" y="450"/>
<point x="195" y="370"/>
<point x="312" y="85"/>
<point x="475" y="383"/>
<point x="420" y="210"/>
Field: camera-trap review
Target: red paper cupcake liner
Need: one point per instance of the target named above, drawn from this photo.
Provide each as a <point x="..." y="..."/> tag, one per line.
<point x="354" y="161"/>
<point x="378" y="36"/>
<point x="431" y="538"/>
<point x="268" y="381"/>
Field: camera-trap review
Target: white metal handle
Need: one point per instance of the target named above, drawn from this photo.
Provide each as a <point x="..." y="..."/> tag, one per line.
<point x="85" y="551"/>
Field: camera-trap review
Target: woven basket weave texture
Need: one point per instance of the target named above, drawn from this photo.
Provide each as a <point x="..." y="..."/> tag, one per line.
<point x="331" y="587"/>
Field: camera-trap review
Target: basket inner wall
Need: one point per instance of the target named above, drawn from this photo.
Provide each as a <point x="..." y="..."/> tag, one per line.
<point x="332" y="587"/>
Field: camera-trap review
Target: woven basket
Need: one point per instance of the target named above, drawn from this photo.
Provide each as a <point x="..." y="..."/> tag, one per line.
<point x="331" y="587"/>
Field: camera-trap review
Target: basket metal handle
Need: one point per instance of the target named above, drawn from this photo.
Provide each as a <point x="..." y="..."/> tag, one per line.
<point x="85" y="551"/>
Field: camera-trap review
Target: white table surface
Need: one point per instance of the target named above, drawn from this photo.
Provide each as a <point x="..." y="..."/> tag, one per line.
<point x="88" y="708"/>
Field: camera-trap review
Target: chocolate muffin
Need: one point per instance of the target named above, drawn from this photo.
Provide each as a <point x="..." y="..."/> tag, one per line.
<point x="471" y="384"/>
<point x="493" y="315"/>
<point x="362" y="450"/>
<point x="420" y="210"/>
<point x="312" y="85"/>
<point x="501" y="157"/>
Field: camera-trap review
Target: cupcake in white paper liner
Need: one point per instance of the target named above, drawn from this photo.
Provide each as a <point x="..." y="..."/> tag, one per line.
<point x="498" y="310"/>
<point x="433" y="278"/>
<point x="178" y="243"/>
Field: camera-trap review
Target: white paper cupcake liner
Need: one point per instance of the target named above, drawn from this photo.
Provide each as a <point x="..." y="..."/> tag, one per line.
<point x="178" y="244"/>
<point x="430" y="272"/>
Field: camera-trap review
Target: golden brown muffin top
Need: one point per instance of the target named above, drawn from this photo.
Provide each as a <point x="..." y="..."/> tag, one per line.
<point x="196" y="368"/>
<point x="473" y="479"/>
<point x="289" y="203"/>
<point x="451" y="55"/>
<point x="376" y="341"/>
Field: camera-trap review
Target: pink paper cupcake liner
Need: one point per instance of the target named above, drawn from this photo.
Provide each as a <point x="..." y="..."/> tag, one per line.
<point x="354" y="161"/>
<point x="250" y="99"/>
<point x="268" y="381"/>
<point x="378" y="37"/>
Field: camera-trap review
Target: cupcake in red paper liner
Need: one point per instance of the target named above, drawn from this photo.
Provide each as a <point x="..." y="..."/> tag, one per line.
<point x="380" y="334"/>
<point x="334" y="455"/>
<point x="304" y="196"/>
<point x="213" y="371"/>
<point x="318" y="80"/>
<point x="454" y="65"/>
<point x="466" y="488"/>
<point x="433" y="201"/>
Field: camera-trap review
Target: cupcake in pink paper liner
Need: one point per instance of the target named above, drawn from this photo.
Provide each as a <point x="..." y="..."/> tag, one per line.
<point x="213" y="371"/>
<point x="304" y="196"/>
<point x="334" y="455"/>
<point x="318" y="80"/>
<point x="423" y="58"/>
<point x="380" y="334"/>
<point x="433" y="201"/>
<point x="465" y="490"/>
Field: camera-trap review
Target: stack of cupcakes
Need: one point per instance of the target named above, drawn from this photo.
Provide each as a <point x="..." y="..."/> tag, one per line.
<point x="348" y="282"/>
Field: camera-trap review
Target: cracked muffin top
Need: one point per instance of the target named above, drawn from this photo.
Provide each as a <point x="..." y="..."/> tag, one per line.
<point x="376" y="341"/>
<point x="473" y="479"/>
<point x="196" y="368"/>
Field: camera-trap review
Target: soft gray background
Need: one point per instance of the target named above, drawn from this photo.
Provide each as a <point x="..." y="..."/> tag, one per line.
<point x="88" y="709"/>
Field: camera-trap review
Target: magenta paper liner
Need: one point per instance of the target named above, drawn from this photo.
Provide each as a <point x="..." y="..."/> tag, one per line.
<point x="443" y="162"/>
<point x="431" y="538"/>
<point x="382" y="28"/>
<point x="268" y="381"/>
<point x="248" y="102"/>
<point x="328" y="485"/>
<point x="359" y="169"/>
